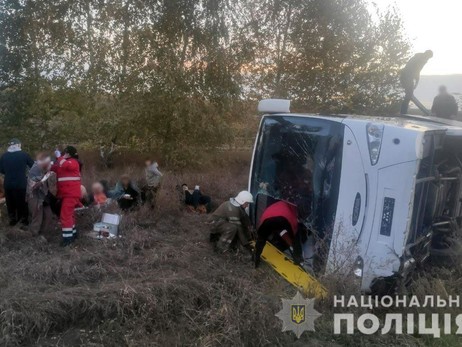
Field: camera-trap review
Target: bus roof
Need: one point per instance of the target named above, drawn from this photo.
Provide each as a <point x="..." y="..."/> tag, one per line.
<point x="411" y="122"/>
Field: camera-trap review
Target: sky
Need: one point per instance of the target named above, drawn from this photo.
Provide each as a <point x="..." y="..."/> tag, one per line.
<point x="435" y="25"/>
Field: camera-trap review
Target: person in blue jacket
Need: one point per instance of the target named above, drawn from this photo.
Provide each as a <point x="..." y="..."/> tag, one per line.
<point x="13" y="165"/>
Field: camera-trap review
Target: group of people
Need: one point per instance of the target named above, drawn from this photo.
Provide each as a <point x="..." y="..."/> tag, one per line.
<point x="126" y="192"/>
<point x="230" y="227"/>
<point x="35" y="189"/>
<point x="444" y="104"/>
<point x="56" y="187"/>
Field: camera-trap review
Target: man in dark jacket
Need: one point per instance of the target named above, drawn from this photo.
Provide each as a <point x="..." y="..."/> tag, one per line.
<point x="410" y="76"/>
<point x="445" y="105"/>
<point x="14" y="164"/>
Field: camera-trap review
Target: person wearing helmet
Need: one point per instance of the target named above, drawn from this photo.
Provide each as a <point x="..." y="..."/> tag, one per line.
<point x="410" y="76"/>
<point x="67" y="168"/>
<point x="230" y="222"/>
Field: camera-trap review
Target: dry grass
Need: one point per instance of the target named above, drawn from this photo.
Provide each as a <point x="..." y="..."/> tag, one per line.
<point x="160" y="285"/>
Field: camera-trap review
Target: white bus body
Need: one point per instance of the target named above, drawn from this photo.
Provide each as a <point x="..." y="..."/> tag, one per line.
<point x="379" y="194"/>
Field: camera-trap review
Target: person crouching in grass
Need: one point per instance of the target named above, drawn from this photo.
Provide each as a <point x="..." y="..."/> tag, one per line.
<point x="97" y="197"/>
<point x="126" y="193"/>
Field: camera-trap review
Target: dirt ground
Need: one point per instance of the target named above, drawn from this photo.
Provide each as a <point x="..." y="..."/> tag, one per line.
<point x="160" y="284"/>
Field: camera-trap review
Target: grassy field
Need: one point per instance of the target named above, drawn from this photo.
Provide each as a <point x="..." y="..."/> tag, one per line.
<point x="162" y="284"/>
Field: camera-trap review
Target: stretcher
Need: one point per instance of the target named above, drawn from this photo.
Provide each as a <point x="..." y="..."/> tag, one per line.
<point x="292" y="273"/>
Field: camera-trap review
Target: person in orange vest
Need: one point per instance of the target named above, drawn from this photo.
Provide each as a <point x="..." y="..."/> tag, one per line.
<point x="67" y="168"/>
<point x="279" y="222"/>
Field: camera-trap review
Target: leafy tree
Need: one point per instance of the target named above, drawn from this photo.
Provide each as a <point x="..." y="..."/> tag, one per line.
<point x="329" y="55"/>
<point x="178" y="75"/>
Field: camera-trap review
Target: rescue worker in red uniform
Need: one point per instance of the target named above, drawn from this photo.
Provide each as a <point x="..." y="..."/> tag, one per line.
<point x="279" y="224"/>
<point x="67" y="168"/>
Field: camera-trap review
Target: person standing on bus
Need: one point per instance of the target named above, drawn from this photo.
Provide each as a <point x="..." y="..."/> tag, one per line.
<point x="410" y="76"/>
<point x="445" y="105"/>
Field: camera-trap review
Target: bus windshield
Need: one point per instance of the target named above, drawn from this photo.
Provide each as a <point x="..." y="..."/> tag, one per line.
<point x="298" y="159"/>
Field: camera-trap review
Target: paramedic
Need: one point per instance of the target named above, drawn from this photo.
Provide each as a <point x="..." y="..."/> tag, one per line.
<point x="67" y="170"/>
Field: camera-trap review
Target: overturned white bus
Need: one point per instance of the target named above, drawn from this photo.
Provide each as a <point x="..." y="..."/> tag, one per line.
<point x="381" y="196"/>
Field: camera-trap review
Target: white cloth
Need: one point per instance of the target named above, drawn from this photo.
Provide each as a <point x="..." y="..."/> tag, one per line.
<point x="14" y="148"/>
<point x="234" y="202"/>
